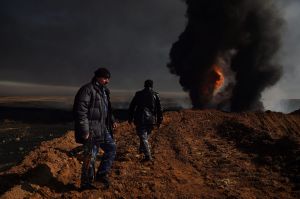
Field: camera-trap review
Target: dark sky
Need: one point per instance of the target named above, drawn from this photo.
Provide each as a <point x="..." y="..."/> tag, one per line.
<point x="60" y="42"/>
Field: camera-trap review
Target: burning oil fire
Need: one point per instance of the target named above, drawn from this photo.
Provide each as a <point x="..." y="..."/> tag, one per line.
<point x="220" y="80"/>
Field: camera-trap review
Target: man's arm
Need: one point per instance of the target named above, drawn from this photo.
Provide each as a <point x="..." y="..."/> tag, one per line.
<point x="132" y="107"/>
<point x="112" y="118"/>
<point x="158" y="110"/>
<point x="83" y="99"/>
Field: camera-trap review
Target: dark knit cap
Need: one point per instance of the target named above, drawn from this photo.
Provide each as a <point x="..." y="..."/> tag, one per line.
<point x="148" y="83"/>
<point x="102" y="72"/>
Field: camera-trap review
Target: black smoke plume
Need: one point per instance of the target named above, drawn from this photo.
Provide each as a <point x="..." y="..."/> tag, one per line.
<point x="242" y="37"/>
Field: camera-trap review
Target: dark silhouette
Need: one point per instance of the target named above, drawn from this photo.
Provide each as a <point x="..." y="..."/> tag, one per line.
<point x="94" y="124"/>
<point x="241" y="37"/>
<point x="145" y="110"/>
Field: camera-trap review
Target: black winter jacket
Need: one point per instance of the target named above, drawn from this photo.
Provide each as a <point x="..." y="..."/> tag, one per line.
<point x="146" y="99"/>
<point x="89" y="112"/>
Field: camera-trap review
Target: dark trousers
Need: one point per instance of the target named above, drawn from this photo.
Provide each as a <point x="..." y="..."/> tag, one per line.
<point x="143" y="132"/>
<point x="90" y="152"/>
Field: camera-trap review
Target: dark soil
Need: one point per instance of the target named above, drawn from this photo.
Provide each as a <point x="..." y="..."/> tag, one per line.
<point x="197" y="154"/>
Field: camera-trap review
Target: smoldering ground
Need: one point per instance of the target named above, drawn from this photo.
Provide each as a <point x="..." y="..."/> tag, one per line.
<point x="241" y="37"/>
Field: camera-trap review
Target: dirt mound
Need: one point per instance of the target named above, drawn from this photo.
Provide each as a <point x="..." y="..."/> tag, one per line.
<point x="197" y="154"/>
<point x="296" y="112"/>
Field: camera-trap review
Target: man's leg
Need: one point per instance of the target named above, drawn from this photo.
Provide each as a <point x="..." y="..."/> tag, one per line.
<point x="109" y="148"/>
<point x="143" y="133"/>
<point x="90" y="151"/>
<point x="141" y="147"/>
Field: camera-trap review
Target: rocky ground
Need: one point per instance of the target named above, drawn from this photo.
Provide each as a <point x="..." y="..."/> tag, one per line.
<point x="197" y="154"/>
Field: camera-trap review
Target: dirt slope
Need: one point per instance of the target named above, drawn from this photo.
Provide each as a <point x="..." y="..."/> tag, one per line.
<point x="198" y="154"/>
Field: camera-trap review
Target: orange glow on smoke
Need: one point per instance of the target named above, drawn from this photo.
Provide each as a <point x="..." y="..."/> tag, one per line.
<point x="220" y="81"/>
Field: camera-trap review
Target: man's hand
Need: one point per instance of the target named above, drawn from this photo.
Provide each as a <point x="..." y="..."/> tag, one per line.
<point x="115" y="125"/>
<point x="86" y="136"/>
<point x="158" y="125"/>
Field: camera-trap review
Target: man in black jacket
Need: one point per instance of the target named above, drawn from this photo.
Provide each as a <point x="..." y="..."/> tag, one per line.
<point x="94" y="125"/>
<point x="145" y="110"/>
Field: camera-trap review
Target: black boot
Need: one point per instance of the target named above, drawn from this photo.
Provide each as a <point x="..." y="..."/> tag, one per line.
<point x="103" y="178"/>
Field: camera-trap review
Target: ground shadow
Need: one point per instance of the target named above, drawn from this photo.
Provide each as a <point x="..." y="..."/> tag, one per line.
<point x="40" y="175"/>
<point x="279" y="154"/>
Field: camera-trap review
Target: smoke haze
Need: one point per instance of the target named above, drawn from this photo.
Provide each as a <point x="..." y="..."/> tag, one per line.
<point x="60" y="43"/>
<point x="244" y="35"/>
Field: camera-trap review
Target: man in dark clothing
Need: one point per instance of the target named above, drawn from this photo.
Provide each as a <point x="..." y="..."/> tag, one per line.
<point x="146" y="112"/>
<point x="94" y="125"/>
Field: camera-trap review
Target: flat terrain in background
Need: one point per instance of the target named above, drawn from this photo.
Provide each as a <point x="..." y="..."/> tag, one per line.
<point x="17" y="138"/>
<point x="119" y="99"/>
<point x="26" y="121"/>
<point x="197" y="154"/>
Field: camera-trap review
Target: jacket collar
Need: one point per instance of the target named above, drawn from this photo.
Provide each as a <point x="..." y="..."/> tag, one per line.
<point x="100" y="87"/>
<point x="148" y="89"/>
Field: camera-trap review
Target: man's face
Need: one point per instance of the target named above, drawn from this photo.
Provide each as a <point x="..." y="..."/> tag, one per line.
<point x="103" y="80"/>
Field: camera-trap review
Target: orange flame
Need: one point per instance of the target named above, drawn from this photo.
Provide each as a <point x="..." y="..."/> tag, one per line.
<point x="220" y="81"/>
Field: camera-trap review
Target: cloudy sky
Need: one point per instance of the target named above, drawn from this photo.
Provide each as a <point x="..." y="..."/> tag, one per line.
<point x="61" y="43"/>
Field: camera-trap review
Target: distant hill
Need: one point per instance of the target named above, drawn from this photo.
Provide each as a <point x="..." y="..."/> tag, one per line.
<point x="197" y="154"/>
